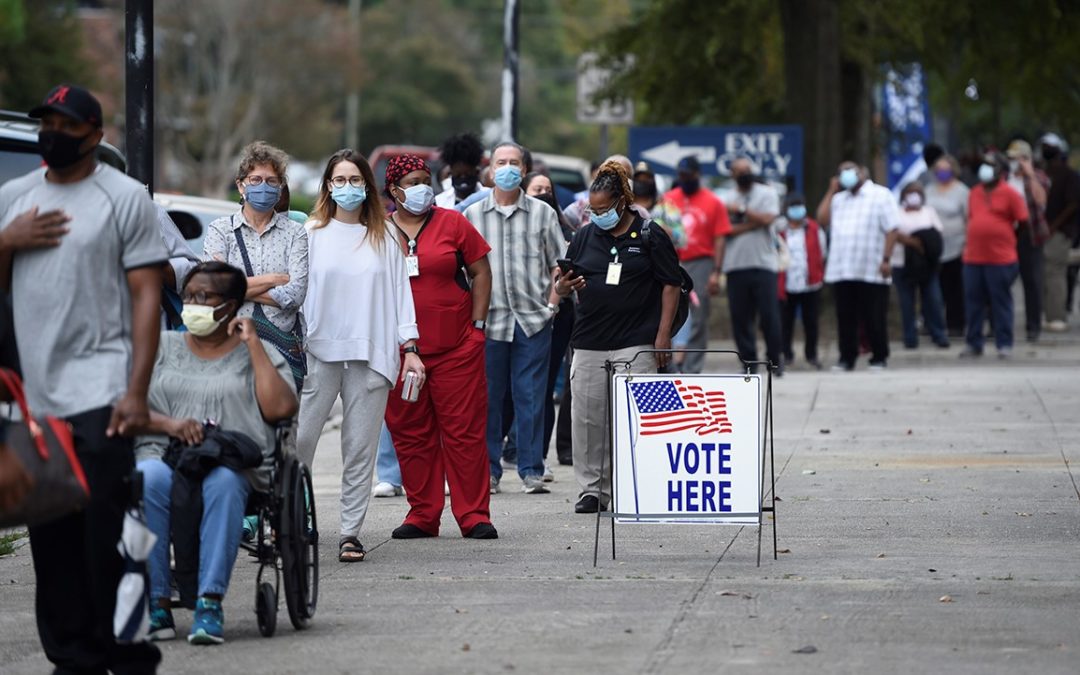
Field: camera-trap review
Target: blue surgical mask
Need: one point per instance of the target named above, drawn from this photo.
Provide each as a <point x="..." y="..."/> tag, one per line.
<point x="418" y="199"/>
<point x="606" y="220"/>
<point x="262" y="197"/>
<point x="849" y="178"/>
<point x="507" y="177"/>
<point x="348" y="197"/>
<point x="796" y="212"/>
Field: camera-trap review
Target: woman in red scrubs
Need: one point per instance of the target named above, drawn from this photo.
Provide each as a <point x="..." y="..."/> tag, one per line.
<point x="441" y="436"/>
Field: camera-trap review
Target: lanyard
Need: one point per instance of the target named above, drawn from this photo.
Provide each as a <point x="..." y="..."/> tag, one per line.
<point x="412" y="241"/>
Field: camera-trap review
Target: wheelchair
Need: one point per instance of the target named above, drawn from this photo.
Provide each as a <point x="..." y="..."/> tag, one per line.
<point x="286" y="542"/>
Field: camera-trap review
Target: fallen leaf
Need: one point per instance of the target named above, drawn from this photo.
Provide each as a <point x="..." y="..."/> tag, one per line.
<point x="825" y="431"/>
<point x="931" y="570"/>
<point x="465" y="647"/>
<point x="880" y="555"/>
<point x="784" y="550"/>
<point x="909" y="432"/>
<point x="808" y="649"/>
<point x="808" y="472"/>
<point x="735" y="594"/>
<point x="945" y="598"/>
<point x="924" y="480"/>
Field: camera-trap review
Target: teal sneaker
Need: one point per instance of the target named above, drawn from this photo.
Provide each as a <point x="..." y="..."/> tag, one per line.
<point x="250" y="524"/>
<point x="162" y="626"/>
<point x="208" y="628"/>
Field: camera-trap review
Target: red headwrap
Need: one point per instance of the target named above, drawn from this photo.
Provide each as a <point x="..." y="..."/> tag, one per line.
<point x="400" y="166"/>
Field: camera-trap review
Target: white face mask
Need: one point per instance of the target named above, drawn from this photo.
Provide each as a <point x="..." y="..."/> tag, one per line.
<point x="987" y="174"/>
<point x="199" y="319"/>
<point x="913" y="200"/>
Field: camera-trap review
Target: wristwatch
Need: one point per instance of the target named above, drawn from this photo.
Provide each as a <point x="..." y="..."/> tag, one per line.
<point x="480" y="324"/>
<point x="412" y="349"/>
<point x="554" y="309"/>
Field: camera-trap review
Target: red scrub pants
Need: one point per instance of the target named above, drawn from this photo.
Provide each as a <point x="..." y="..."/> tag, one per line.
<point x="441" y="436"/>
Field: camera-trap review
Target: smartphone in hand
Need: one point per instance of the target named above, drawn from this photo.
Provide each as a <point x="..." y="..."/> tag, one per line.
<point x="565" y="265"/>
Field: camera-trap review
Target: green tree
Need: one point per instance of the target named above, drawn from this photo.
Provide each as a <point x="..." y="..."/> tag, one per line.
<point x="40" y="43"/>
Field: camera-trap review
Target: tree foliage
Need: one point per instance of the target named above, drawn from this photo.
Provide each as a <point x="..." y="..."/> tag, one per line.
<point x="39" y="47"/>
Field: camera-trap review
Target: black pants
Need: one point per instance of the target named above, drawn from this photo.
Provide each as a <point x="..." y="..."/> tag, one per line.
<point x="951" y="276"/>
<point x="564" y="445"/>
<point x="861" y="302"/>
<point x="78" y="567"/>
<point x="1031" y="275"/>
<point x="561" y="329"/>
<point x="752" y="296"/>
<point x="808" y="304"/>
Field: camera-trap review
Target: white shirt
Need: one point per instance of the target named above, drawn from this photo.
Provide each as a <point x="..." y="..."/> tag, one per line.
<point x="912" y="221"/>
<point x="858" y="225"/>
<point x="359" y="304"/>
<point x="446" y="199"/>
<point x="797" y="275"/>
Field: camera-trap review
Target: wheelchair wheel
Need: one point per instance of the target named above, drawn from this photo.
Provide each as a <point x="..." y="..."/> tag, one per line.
<point x="299" y="544"/>
<point x="266" y="608"/>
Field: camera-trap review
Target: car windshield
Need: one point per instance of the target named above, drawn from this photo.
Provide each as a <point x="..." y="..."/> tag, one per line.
<point x="15" y="164"/>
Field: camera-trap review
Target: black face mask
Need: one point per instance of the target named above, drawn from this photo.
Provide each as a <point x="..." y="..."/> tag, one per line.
<point x="549" y="199"/>
<point x="1050" y="153"/>
<point x="464" y="185"/>
<point x="644" y="188"/>
<point x="60" y="150"/>
<point x="744" y="181"/>
<point x="690" y="185"/>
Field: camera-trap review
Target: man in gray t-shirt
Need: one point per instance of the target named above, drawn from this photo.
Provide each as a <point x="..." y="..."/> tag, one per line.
<point x="81" y="254"/>
<point x="751" y="264"/>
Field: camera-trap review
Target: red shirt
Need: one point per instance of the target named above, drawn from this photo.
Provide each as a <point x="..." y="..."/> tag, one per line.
<point x="991" y="229"/>
<point x="704" y="218"/>
<point x="440" y="292"/>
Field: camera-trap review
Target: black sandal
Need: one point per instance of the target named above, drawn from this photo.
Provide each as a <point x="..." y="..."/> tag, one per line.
<point x="350" y="550"/>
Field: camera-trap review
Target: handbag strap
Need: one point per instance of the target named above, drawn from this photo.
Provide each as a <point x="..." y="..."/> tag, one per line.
<point x="15" y="386"/>
<point x="243" y="249"/>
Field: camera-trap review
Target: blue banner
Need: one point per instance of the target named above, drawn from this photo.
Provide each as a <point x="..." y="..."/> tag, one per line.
<point x="906" y="115"/>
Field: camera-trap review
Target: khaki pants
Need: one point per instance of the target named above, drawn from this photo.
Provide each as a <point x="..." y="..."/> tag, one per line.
<point x="1055" y="288"/>
<point x="590" y="418"/>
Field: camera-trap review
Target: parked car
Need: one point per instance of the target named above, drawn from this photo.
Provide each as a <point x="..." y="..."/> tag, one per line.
<point x="193" y="215"/>
<point x="572" y="173"/>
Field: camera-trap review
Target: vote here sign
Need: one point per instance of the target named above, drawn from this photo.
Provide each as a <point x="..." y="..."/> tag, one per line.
<point x="687" y="448"/>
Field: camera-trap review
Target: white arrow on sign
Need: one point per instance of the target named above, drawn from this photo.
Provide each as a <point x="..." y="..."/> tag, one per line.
<point x="671" y="152"/>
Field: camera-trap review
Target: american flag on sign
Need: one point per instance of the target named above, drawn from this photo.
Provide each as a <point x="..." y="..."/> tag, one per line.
<point x="667" y="406"/>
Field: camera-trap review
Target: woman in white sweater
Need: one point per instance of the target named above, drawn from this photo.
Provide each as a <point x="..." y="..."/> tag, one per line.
<point x="359" y="312"/>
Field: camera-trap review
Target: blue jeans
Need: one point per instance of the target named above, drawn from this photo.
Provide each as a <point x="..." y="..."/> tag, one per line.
<point x="524" y="362"/>
<point x="933" y="306"/>
<point x="386" y="464"/>
<point x="989" y="284"/>
<point x="225" y="493"/>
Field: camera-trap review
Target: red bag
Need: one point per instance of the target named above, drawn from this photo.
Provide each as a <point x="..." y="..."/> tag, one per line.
<point x="46" y="448"/>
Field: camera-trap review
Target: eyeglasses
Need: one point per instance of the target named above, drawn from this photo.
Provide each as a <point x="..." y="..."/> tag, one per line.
<point x="340" y="181"/>
<point x="590" y="210"/>
<point x="272" y="181"/>
<point x="199" y="298"/>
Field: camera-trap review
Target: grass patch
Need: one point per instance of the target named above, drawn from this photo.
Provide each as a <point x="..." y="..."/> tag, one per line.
<point x="7" y="542"/>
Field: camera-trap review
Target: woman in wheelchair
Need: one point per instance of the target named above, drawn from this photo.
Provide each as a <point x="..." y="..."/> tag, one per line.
<point x="218" y="370"/>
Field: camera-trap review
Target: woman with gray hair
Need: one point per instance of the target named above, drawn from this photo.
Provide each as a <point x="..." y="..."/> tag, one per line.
<point x="271" y="249"/>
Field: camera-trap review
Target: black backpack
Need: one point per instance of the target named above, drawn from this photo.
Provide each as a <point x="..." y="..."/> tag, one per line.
<point x="682" y="310"/>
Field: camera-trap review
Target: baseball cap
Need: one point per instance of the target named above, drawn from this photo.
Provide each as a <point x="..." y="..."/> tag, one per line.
<point x="689" y="164"/>
<point x="642" y="167"/>
<point x="1019" y="148"/>
<point x="70" y="100"/>
<point x="1054" y="140"/>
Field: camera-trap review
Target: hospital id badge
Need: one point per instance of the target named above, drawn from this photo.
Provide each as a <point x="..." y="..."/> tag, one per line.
<point x="614" y="273"/>
<point x="412" y="263"/>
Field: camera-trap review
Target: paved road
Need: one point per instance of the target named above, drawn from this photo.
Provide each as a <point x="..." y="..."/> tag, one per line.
<point x="929" y="519"/>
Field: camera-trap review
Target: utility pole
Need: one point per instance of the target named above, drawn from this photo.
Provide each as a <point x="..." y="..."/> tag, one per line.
<point x="139" y="90"/>
<point x="511" y="20"/>
<point x="352" y="101"/>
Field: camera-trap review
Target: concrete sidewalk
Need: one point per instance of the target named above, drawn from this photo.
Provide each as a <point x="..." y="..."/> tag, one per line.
<point x="929" y="523"/>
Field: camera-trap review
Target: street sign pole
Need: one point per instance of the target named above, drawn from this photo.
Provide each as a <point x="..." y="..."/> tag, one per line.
<point x="139" y="90"/>
<point x="511" y="20"/>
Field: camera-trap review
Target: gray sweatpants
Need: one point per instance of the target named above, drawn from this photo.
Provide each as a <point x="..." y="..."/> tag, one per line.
<point x="699" y="270"/>
<point x="1055" y="285"/>
<point x="590" y="419"/>
<point x="363" y="397"/>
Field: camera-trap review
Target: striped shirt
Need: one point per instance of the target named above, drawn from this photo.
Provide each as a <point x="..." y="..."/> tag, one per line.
<point x="858" y="226"/>
<point x="525" y="242"/>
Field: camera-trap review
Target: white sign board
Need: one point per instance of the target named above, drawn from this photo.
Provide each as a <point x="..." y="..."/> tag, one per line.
<point x="592" y="79"/>
<point x="687" y="448"/>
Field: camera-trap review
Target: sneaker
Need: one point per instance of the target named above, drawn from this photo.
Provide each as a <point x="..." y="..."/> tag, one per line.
<point x="495" y="489"/>
<point x="534" y="485"/>
<point x="250" y="524"/>
<point x="162" y="626"/>
<point x="384" y="489"/>
<point x="549" y="475"/>
<point x="876" y="367"/>
<point x="1057" y="326"/>
<point x="208" y="628"/>
<point x="970" y="352"/>
<point x="842" y="367"/>
<point x="1005" y="353"/>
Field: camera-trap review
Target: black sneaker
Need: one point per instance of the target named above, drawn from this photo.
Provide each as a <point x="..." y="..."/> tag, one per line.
<point x="587" y="504"/>
<point x="409" y="531"/>
<point x="483" y="531"/>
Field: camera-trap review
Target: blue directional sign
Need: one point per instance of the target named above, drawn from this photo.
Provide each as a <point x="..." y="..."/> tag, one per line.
<point x="775" y="151"/>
